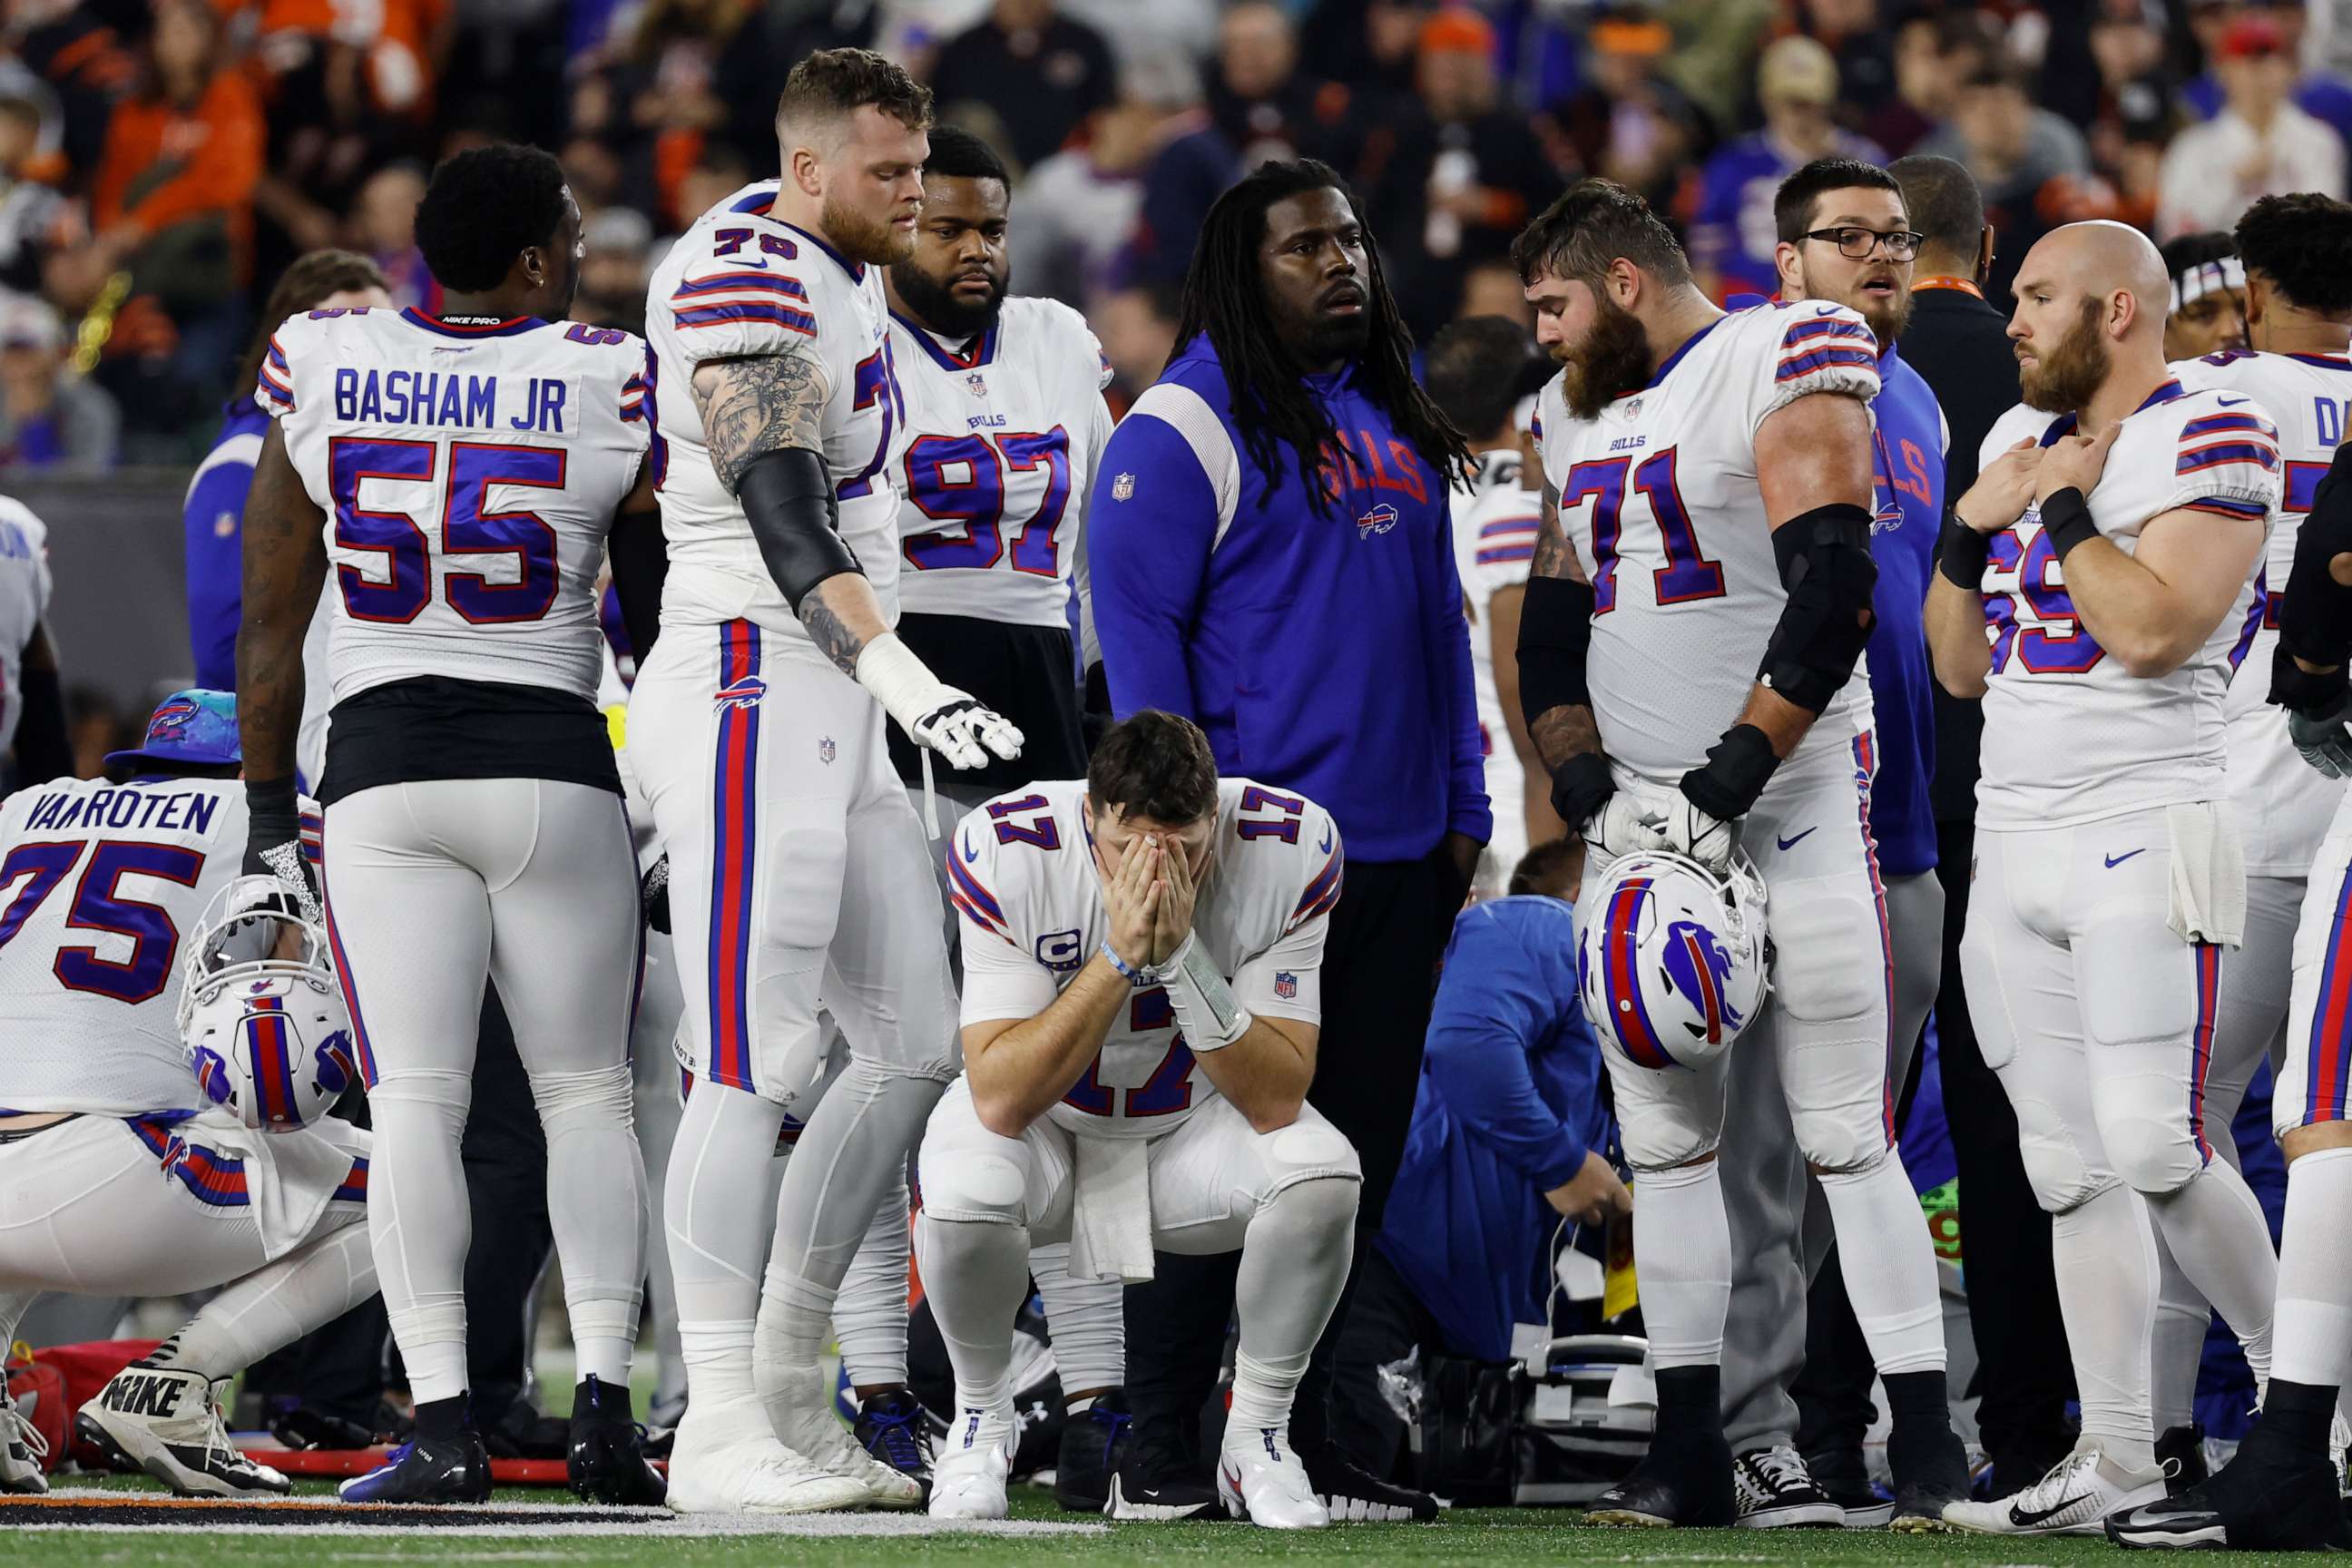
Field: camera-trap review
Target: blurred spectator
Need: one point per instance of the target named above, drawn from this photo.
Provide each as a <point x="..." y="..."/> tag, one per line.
<point x="50" y="416"/>
<point x="1858" y="38"/>
<point x="1717" y="43"/>
<point x="2135" y="115"/>
<point x="173" y="199"/>
<point x="1628" y="122"/>
<point x="1039" y="72"/>
<point x="384" y="230"/>
<point x="1933" y="55"/>
<point x="721" y="171"/>
<point x="1163" y="29"/>
<point x="615" y="270"/>
<point x="97" y="726"/>
<point x="1493" y="288"/>
<point x="33" y="215"/>
<point x="1371" y="45"/>
<point x="1455" y="171"/>
<point x="1078" y="208"/>
<point x="1137" y="326"/>
<point x="2209" y="296"/>
<point x="2322" y="94"/>
<point x="2259" y="144"/>
<point x="85" y="62"/>
<point x="2032" y="165"/>
<point x="1262" y="104"/>
<point x="1732" y="234"/>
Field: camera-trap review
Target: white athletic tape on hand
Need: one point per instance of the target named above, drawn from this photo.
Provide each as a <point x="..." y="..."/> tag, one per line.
<point x="1205" y="1009"/>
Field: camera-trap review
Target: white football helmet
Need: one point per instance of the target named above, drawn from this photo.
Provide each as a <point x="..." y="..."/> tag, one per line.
<point x="1671" y="958"/>
<point x="260" y="1014"/>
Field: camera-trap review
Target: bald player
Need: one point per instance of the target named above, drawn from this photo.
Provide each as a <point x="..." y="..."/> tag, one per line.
<point x="2093" y="589"/>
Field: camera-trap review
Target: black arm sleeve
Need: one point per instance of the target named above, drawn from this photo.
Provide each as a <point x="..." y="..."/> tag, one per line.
<point x="1825" y="561"/>
<point x="787" y="496"/>
<point x="2316" y="613"/>
<point x="43" y="750"/>
<point x="640" y="566"/>
<point x="1555" y="634"/>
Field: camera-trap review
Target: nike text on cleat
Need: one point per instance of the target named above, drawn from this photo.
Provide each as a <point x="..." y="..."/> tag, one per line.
<point x="1775" y="1490"/>
<point x="162" y="1420"/>
<point x="2077" y="1494"/>
<point x="974" y="1461"/>
<point x="729" y="1461"/>
<point x="803" y="1421"/>
<point x="425" y="1470"/>
<point x="1261" y="1480"/>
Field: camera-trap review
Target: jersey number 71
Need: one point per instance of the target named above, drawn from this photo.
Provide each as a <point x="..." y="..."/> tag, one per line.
<point x="1687" y="575"/>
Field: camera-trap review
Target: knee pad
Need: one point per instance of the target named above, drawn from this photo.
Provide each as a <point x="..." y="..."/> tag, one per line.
<point x="1318" y="1203"/>
<point x="601" y="1097"/>
<point x="1830" y="964"/>
<point x="1840" y="1145"/>
<point x="1662" y="1137"/>
<point x="2149" y="1141"/>
<point x="447" y="1095"/>
<point x="975" y="1187"/>
<point x="2056" y="1170"/>
<point x="1309" y="1150"/>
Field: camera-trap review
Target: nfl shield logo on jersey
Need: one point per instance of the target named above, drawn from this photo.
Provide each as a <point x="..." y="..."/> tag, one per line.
<point x="1122" y="487"/>
<point x="976" y="383"/>
<point x="1286" y="984"/>
<point x="825" y="751"/>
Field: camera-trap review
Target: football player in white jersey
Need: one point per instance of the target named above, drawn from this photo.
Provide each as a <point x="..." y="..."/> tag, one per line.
<point x="1141" y="996"/>
<point x="1005" y="420"/>
<point x="461" y="473"/>
<point x="1708" y="487"/>
<point x="2298" y="309"/>
<point x="756" y="729"/>
<point x="32" y="707"/>
<point x="121" y="1178"/>
<point x="2092" y="587"/>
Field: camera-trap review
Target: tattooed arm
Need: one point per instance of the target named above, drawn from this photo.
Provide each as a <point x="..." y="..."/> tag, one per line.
<point x="752" y="408"/>
<point x="1559" y="730"/>
<point x="285" y="563"/>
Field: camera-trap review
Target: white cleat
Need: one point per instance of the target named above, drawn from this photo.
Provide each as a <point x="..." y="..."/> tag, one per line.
<point x="162" y="1420"/>
<point x="803" y="1421"/>
<point x="2074" y="1499"/>
<point x="720" y="1465"/>
<point x="2339" y="1439"/>
<point x="22" y="1448"/>
<point x="973" y="1462"/>
<point x="1263" y="1481"/>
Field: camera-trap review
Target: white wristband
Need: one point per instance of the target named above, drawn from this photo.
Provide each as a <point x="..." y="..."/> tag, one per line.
<point x="1204" y="1002"/>
<point x="900" y="681"/>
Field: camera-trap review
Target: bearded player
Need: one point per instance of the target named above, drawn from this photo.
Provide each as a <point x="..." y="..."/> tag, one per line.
<point x="1708" y="494"/>
<point x="757" y="727"/>
<point x="2092" y="586"/>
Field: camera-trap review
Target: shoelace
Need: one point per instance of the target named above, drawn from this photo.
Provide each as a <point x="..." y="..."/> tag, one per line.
<point x="2055" y="1482"/>
<point x="1113" y="1423"/>
<point x="217" y="1440"/>
<point x="894" y="1440"/>
<point x="16" y="1428"/>
<point x="1781" y="1469"/>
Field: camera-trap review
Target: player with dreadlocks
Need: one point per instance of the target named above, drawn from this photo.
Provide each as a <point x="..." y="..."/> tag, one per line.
<point x="1271" y="558"/>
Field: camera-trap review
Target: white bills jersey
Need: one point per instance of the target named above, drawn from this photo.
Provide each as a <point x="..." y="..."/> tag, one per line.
<point x="1021" y="873"/>
<point x="24" y="601"/>
<point x="2070" y="737"/>
<point x="741" y="284"/>
<point x="103" y="883"/>
<point x="469" y="471"/>
<point x="1495" y="521"/>
<point x="1659" y="495"/>
<point x="2284" y="803"/>
<point x="1002" y="432"/>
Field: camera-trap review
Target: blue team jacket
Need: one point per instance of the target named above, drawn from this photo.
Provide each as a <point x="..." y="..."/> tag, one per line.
<point x="1325" y="653"/>
<point x="1509" y="1103"/>
<point x="212" y="518"/>
<point x="1910" y="510"/>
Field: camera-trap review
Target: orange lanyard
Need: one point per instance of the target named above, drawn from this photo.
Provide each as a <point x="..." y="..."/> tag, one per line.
<point x="1962" y="284"/>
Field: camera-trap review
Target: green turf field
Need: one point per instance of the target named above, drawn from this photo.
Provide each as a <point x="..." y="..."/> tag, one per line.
<point x="1495" y="1538"/>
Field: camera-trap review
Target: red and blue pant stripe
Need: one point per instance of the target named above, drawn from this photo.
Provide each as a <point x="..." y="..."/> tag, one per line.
<point x="2327" y="1055"/>
<point x="1865" y="768"/>
<point x="2208" y="957"/>
<point x="734" y="839"/>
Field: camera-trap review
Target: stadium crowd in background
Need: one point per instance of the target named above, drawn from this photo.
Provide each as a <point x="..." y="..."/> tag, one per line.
<point x="163" y="160"/>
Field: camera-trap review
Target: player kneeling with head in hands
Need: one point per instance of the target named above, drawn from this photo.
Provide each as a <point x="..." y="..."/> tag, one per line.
<point x="1140" y="1006"/>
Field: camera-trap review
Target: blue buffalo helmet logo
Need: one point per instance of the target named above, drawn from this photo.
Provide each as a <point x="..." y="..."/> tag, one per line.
<point x="1379" y="520"/>
<point x="743" y="693"/>
<point x="333" y="1059"/>
<point x="1699" y="968"/>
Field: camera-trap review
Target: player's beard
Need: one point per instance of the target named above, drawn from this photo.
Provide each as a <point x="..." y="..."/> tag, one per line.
<point x="1613" y="359"/>
<point x="861" y="239"/>
<point x="1885" y="317"/>
<point x="2065" y="379"/>
<point x="940" y="308"/>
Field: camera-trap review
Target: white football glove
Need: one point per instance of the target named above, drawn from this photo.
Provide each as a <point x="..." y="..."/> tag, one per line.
<point x="1616" y="830"/>
<point x="2323" y="738"/>
<point x="933" y="713"/>
<point x="1674" y="824"/>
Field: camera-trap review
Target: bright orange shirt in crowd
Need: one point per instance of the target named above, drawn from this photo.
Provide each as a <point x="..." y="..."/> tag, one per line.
<point x="163" y="164"/>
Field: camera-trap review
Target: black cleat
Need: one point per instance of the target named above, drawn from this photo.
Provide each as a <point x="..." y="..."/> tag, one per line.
<point x="2269" y="1498"/>
<point x="2181" y="1451"/>
<point x="1156" y="1479"/>
<point x="1093" y="1442"/>
<point x="426" y="1470"/>
<point x="896" y="1429"/>
<point x="1931" y="1469"/>
<point x="1844" y="1478"/>
<point x="1683" y="1482"/>
<point x="1354" y="1495"/>
<point x="604" y="1460"/>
